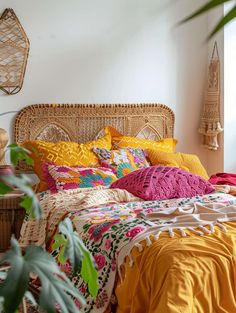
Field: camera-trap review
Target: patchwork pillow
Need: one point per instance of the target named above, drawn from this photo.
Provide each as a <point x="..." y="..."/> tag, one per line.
<point x="121" y="141"/>
<point x="163" y="182"/>
<point x="62" y="177"/>
<point x="64" y="153"/>
<point x="187" y="162"/>
<point x="122" y="161"/>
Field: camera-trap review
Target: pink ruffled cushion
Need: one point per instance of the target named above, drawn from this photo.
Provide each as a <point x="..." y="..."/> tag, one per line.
<point x="163" y="182"/>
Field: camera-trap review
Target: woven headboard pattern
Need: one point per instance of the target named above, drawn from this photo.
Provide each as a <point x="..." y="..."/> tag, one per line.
<point x="83" y="122"/>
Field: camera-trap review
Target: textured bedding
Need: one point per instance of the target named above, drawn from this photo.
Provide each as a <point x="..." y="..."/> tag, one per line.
<point x="169" y="256"/>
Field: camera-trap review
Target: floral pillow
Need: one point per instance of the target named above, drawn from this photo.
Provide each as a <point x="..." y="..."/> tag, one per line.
<point x="62" y="177"/>
<point x="122" y="161"/>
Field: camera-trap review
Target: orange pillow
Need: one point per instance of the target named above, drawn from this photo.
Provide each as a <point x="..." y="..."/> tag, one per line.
<point x="64" y="153"/>
<point x="188" y="162"/>
<point x="121" y="141"/>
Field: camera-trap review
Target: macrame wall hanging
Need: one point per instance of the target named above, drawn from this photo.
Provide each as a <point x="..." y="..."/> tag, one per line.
<point x="14" y="50"/>
<point x="210" y="125"/>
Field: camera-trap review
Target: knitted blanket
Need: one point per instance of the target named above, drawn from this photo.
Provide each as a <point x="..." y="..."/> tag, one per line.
<point x="113" y="222"/>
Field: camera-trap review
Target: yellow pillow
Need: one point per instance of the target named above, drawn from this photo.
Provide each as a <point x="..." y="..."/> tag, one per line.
<point x="121" y="141"/>
<point x="64" y="153"/>
<point x="187" y="162"/>
<point x="166" y="144"/>
<point x="111" y="130"/>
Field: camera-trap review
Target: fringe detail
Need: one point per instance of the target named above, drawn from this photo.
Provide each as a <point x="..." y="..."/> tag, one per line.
<point x="182" y="231"/>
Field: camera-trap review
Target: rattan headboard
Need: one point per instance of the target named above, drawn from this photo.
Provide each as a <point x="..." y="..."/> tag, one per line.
<point x="82" y="122"/>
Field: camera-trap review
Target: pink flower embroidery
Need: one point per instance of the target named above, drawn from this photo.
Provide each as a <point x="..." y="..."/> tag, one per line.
<point x="149" y="210"/>
<point x="78" y="304"/>
<point x="83" y="290"/>
<point x="96" y="231"/>
<point x="134" y="232"/>
<point x="102" y="299"/>
<point x="138" y="210"/>
<point x="108" y="244"/>
<point x="100" y="260"/>
<point x="113" y="265"/>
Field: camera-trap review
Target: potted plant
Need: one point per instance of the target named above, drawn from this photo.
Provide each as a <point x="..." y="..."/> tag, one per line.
<point x="17" y="270"/>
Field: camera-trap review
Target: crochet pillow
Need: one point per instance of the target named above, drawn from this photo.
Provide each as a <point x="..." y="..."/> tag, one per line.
<point x="122" y="161"/>
<point x="62" y="177"/>
<point x="188" y="162"/>
<point x="162" y="182"/>
<point x="64" y="153"/>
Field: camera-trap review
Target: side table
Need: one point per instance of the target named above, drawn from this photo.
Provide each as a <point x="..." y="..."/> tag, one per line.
<point x="11" y="218"/>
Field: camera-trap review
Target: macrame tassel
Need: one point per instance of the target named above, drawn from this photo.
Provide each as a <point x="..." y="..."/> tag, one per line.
<point x="223" y="228"/>
<point x="131" y="260"/>
<point x="210" y="125"/>
<point x="212" y="228"/>
<point x="139" y="246"/>
<point x="182" y="232"/>
<point x="171" y="233"/>
<point x="148" y="241"/>
<point x="156" y="237"/>
<point x="197" y="232"/>
<point x="205" y="230"/>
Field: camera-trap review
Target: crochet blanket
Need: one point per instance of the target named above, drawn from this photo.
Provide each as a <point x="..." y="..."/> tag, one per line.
<point x="112" y="222"/>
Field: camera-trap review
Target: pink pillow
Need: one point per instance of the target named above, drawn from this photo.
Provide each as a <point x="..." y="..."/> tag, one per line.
<point x="163" y="182"/>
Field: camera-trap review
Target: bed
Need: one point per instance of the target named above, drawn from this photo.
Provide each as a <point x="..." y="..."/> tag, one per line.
<point x="143" y="266"/>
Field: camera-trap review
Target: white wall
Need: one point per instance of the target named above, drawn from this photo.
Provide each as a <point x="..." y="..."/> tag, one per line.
<point x="215" y="159"/>
<point x="230" y="97"/>
<point x="109" y="51"/>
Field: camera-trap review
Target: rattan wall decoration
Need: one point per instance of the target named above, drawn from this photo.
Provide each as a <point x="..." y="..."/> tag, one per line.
<point x="14" y="50"/>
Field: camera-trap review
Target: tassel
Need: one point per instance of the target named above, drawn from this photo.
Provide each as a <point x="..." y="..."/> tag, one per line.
<point x="223" y="228"/>
<point x="156" y="237"/>
<point x="212" y="228"/>
<point x="182" y="232"/>
<point x="204" y="229"/>
<point x="148" y="241"/>
<point x="139" y="246"/>
<point x="131" y="261"/>
<point x="171" y="233"/>
<point x="197" y="232"/>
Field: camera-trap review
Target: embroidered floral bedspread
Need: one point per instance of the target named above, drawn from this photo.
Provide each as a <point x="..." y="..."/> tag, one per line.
<point x="108" y="229"/>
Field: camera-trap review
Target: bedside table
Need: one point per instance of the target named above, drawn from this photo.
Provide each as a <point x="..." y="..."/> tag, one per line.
<point x="11" y="218"/>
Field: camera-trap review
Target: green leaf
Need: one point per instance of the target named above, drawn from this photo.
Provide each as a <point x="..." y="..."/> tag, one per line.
<point x="205" y="8"/>
<point x="3" y="275"/>
<point x="30" y="201"/>
<point x="56" y="289"/>
<point x="72" y="247"/>
<point x="18" y="153"/>
<point x="4" y="189"/>
<point x="75" y="251"/>
<point x="225" y="20"/>
<point x="29" y="296"/>
<point x="60" y="243"/>
<point x="89" y="272"/>
<point x="19" y="274"/>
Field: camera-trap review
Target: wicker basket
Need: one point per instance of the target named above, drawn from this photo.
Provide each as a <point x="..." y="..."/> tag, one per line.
<point x="11" y="218"/>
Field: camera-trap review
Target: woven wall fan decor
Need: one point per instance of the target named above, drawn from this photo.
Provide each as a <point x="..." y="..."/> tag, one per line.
<point x="210" y="125"/>
<point x="14" y="50"/>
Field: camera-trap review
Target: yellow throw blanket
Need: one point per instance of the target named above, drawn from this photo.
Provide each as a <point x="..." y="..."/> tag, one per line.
<point x="194" y="274"/>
